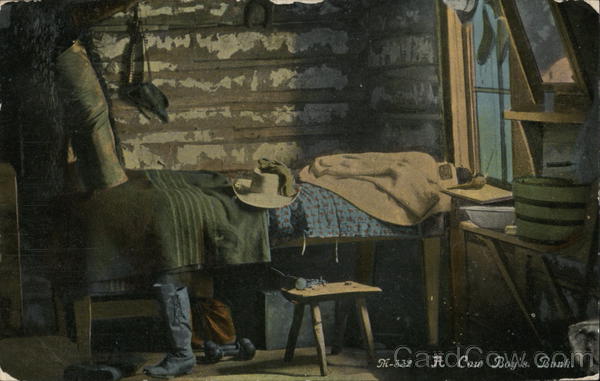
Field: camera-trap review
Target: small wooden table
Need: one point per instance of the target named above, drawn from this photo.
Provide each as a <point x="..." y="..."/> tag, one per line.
<point x="338" y="292"/>
<point x="578" y="248"/>
<point x="431" y="250"/>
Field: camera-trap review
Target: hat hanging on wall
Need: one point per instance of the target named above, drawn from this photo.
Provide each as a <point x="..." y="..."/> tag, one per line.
<point x="464" y="8"/>
<point x="264" y="190"/>
<point x="260" y="12"/>
<point x="143" y="94"/>
<point x="283" y="2"/>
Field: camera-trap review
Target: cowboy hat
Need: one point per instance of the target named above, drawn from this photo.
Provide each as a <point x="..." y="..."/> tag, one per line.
<point x="262" y="190"/>
<point x="146" y="96"/>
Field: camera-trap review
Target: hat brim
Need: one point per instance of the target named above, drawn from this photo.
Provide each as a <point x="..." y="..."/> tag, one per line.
<point x="465" y="17"/>
<point x="260" y="200"/>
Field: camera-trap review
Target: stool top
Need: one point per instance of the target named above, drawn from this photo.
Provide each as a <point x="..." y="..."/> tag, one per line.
<point x="328" y="291"/>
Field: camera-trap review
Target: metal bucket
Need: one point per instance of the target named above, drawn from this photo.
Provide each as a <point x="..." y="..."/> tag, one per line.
<point x="549" y="210"/>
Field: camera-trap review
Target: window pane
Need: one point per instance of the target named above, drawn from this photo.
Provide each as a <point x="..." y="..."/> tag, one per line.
<point x="491" y="50"/>
<point x="490" y="123"/>
<point x="492" y="84"/>
<point x="545" y="41"/>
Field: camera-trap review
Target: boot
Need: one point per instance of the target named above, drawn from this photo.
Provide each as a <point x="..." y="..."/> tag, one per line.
<point x="89" y="372"/>
<point x="175" y="309"/>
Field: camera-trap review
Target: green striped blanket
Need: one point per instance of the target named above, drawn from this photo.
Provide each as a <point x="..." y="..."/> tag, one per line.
<point x="163" y="221"/>
<point x="205" y="225"/>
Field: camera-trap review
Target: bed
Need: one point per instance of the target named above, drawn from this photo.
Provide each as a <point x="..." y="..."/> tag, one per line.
<point x="316" y="217"/>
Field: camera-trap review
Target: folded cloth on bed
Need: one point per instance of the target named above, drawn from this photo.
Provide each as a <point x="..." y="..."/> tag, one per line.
<point x="402" y="188"/>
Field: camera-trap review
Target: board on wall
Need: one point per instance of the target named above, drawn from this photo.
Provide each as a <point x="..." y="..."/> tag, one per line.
<point x="403" y="76"/>
<point x="290" y="91"/>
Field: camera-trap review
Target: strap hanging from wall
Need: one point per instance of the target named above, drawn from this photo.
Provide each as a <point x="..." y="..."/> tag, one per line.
<point x="143" y="94"/>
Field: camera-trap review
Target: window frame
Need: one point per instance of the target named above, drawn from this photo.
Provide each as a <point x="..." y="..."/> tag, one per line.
<point x="461" y="108"/>
<point x="460" y="104"/>
<point x="528" y="62"/>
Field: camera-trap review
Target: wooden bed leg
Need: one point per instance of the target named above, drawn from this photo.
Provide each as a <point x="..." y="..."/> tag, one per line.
<point x="458" y="278"/>
<point x="365" y="262"/>
<point x="83" y="326"/>
<point x="431" y="270"/>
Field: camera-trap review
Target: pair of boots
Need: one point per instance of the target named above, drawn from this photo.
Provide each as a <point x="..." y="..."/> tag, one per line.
<point x="175" y="309"/>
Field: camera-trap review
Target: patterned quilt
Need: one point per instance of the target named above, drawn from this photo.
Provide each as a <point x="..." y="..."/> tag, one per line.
<point x="318" y="212"/>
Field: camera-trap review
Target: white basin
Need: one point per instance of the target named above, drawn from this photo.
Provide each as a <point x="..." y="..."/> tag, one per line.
<point x="490" y="217"/>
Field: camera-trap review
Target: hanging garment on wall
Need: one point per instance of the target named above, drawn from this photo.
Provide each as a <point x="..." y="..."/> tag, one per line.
<point x="487" y="40"/>
<point x="464" y="8"/>
<point x="88" y="119"/>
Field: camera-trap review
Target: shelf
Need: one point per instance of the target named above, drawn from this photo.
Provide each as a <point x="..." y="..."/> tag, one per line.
<point x="486" y="195"/>
<point x="510" y="239"/>
<point x="546" y="117"/>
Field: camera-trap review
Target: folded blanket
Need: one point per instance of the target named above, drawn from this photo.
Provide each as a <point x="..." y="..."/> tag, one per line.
<point x="165" y="220"/>
<point x="205" y="216"/>
<point x="401" y="188"/>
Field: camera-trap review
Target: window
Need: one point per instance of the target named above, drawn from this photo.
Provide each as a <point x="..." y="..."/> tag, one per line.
<point x="478" y="70"/>
<point x="491" y="88"/>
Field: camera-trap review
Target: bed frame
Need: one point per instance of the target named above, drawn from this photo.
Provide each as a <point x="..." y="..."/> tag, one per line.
<point x="112" y="299"/>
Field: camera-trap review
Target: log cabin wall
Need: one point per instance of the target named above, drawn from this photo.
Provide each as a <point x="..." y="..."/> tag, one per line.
<point x="404" y="83"/>
<point x="290" y="91"/>
<point x="342" y="76"/>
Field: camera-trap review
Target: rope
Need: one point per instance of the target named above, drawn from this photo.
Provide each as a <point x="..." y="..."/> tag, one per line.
<point x="303" y="244"/>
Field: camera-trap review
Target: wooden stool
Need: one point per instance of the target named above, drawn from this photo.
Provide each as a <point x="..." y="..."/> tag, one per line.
<point x="339" y="292"/>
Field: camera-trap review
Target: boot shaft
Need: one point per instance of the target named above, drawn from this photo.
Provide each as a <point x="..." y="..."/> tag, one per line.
<point x="176" y="312"/>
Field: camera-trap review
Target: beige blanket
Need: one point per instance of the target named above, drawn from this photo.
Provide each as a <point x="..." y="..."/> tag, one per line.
<point x="402" y="188"/>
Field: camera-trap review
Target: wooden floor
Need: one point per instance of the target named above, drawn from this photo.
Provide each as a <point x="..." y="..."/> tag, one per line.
<point x="44" y="359"/>
<point x="269" y="366"/>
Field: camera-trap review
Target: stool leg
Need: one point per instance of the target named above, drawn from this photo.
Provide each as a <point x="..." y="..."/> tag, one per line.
<point x="365" y="327"/>
<point x="341" y="322"/>
<point x="319" y="336"/>
<point x="294" y="331"/>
